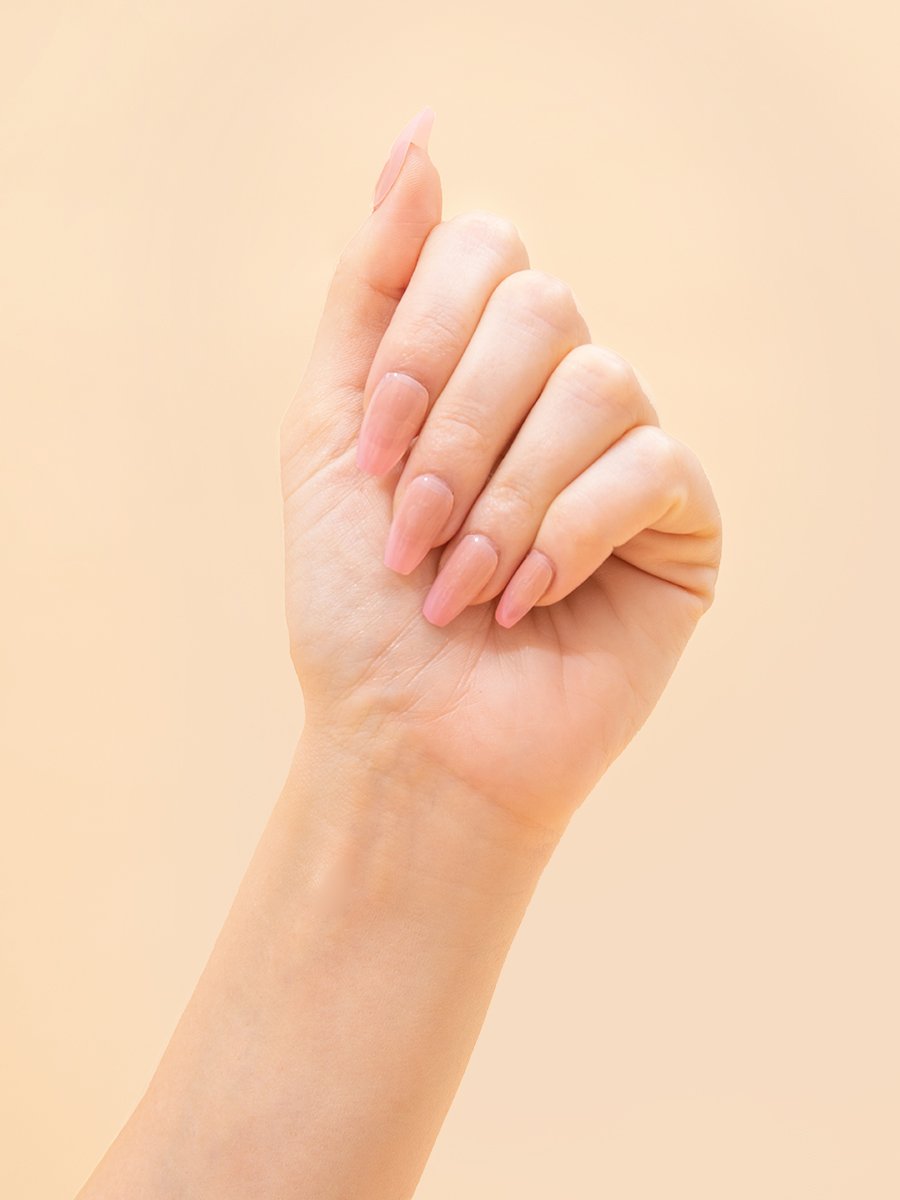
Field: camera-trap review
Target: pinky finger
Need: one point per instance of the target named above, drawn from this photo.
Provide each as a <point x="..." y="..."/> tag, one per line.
<point x="647" y="498"/>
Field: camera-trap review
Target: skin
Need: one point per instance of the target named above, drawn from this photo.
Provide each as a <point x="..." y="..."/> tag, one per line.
<point x="440" y="761"/>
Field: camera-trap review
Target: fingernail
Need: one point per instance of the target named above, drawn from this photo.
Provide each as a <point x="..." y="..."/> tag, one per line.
<point x="420" y="517"/>
<point x="528" y="584"/>
<point x="461" y="578"/>
<point x="416" y="131"/>
<point x="394" y="414"/>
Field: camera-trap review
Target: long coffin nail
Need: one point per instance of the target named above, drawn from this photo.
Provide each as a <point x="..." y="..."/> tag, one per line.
<point x="528" y="584"/>
<point x="422" y="514"/>
<point x="418" y="131"/>
<point x="394" y="414"/>
<point x="470" y="566"/>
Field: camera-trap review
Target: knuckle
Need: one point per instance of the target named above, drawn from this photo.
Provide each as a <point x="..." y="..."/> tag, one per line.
<point x="481" y="228"/>
<point x="541" y="295"/>
<point x="511" y="494"/>
<point x="616" y="372"/>
<point x="566" y="533"/>
<point x="662" y="455"/>
<point x="462" y="429"/>
<point x="601" y="377"/>
<point x="432" y="331"/>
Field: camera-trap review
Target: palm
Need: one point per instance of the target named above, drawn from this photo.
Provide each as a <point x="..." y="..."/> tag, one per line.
<point x="529" y="716"/>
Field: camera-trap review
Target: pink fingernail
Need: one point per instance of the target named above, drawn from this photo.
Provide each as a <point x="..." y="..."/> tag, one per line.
<point x="528" y="584"/>
<point x="470" y="566"/>
<point x="395" y="412"/>
<point x="417" y="131"/>
<point x="422" y="514"/>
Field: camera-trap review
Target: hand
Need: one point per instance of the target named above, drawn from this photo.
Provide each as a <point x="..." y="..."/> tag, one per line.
<point x="538" y="477"/>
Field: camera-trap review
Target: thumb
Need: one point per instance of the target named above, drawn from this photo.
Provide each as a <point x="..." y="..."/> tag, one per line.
<point x="372" y="273"/>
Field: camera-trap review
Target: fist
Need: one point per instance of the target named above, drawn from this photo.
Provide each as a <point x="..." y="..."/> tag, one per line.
<point x="494" y="554"/>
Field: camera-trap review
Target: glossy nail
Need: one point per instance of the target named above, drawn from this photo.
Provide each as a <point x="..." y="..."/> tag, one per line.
<point x="394" y="414"/>
<point x="422" y="513"/>
<point x="471" y="564"/>
<point x="417" y="131"/>
<point x="528" y="584"/>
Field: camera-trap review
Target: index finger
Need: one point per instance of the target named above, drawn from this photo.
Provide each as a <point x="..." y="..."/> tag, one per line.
<point x="460" y="265"/>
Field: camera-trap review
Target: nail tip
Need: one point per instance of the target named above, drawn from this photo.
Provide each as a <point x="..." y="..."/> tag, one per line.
<point x="437" y="620"/>
<point x="434" y="611"/>
<point x="417" y="131"/>
<point x="394" y="562"/>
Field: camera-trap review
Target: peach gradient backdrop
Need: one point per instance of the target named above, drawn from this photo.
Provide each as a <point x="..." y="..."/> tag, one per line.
<point x="702" y="1002"/>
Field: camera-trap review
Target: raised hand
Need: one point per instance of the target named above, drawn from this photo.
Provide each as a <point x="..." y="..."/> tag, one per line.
<point x="494" y="554"/>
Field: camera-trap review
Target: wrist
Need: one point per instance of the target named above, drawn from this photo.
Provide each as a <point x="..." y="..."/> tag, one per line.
<point x="383" y="830"/>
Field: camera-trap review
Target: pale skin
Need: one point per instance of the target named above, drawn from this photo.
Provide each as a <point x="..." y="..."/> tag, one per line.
<point x="446" y="743"/>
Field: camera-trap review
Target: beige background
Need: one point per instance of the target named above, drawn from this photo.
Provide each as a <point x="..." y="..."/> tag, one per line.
<point x="702" y="1000"/>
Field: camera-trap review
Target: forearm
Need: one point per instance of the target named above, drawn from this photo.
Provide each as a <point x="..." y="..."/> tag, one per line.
<point x="331" y="1026"/>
